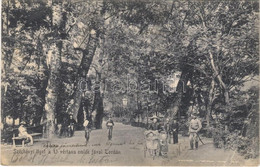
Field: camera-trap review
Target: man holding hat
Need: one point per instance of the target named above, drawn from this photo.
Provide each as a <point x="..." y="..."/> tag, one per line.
<point x="23" y="132"/>
<point x="155" y="124"/>
<point x="194" y="128"/>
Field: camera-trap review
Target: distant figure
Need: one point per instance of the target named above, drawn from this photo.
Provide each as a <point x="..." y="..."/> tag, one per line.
<point x="71" y="120"/>
<point x="71" y="125"/>
<point x="64" y="127"/>
<point x="23" y="132"/>
<point x="110" y="125"/>
<point x="59" y="129"/>
<point x="155" y="124"/>
<point x="44" y="125"/>
<point x="194" y="128"/>
<point x="175" y="130"/>
<point x="87" y="126"/>
<point x="168" y="130"/>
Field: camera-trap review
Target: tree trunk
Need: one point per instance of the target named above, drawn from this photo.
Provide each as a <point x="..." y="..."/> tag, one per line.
<point x="180" y="87"/>
<point x="211" y="99"/>
<point x="8" y="58"/>
<point x="219" y="77"/>
<point x="222" y="84"/>
<point x="86" y="61"/>
<point x="54" y="63"/>
<point x="98" y="103"/>
<point x="7" y="18"/>
<point x="51" y="90"/>
<point x="226" y="96"/>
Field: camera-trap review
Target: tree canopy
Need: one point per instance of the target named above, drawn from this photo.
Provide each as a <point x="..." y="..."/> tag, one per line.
<point x="206" y="51"/>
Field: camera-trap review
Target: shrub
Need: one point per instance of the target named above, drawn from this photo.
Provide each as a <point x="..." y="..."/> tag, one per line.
<point x="245" y="146"/>
<point x="219" y="138"/>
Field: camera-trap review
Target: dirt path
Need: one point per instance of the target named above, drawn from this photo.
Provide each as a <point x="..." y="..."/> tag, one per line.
<point x="126" y="148"/>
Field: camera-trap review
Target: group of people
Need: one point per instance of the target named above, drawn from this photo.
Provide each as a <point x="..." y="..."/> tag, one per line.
<point x="67" y="127"/>
<point x="109" y="124"/>
<point x="172" y="129"/>
<point x="70" y="128"/>
<point x="169" y="128"/>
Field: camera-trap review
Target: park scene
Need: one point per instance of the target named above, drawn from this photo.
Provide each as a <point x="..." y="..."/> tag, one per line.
<point x="130" y="83"/>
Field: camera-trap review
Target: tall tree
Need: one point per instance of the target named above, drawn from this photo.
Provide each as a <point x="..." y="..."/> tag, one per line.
<point x="88" y="48"/>
<point x="54" y="65"/>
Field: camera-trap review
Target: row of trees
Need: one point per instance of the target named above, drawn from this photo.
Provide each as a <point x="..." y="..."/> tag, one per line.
<point x="50" y="47"/>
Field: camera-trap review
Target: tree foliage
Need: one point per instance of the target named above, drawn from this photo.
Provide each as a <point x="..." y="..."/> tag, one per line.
<point x="125" y="48"/>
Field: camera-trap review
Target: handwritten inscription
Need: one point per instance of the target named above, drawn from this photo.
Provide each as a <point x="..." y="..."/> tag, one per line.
<point x="49" y="153"/>
<point x="56" y="154"/>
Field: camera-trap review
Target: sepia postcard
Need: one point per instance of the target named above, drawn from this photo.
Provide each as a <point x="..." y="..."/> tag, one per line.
<point x="129" y="83"/>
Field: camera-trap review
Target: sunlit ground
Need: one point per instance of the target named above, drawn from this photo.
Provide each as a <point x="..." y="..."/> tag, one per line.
<point x="126" y="148"/>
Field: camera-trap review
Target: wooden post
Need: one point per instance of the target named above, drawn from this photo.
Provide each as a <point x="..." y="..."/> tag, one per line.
<point x="147" y="116"/>
<point x="13" y="140"/>
<point x="22" y="142"/>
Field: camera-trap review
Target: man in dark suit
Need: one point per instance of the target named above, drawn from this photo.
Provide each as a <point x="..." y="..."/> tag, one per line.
<point x="168" y="129"/>
<point x="175" y="129"/>
<point x="71" y="125"/>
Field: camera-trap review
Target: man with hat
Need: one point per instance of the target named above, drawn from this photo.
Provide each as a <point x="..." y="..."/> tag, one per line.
<point x="194" y="128"/>
<point x="23" y="132"/>
<point x="155" y="124"/>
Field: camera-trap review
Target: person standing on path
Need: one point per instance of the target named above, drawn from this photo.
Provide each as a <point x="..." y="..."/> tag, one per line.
<point x="175" y="130"/>
<point x="87" y="127"/>
<point x="168" y="130"/>
<point x="71" y="125"/>
<point x="194" y="128"/>
<point x="110" y="125"/>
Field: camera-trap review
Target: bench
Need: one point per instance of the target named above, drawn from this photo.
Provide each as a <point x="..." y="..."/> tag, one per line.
<point x="23" y="138"/>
